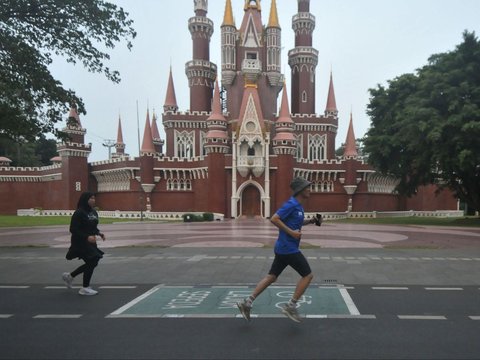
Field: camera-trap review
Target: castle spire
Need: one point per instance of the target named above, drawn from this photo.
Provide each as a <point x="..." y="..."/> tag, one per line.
<point x="284" y="137"/>
<point x="119" y="131"/>
<point x="147" y="144"/>
<point x="73" y="118"/>
<point x="228" y="16"/>
<point x="350" y="143"/>
<point x="331" y="108"/>
<point x="155" y="132"/>
<point x="273" y="19"/>
<point x="170" y="98"/>
<point x="217" y="126"/>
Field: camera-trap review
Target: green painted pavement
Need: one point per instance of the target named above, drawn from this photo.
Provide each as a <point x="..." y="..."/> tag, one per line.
<point x="184" y="301"/>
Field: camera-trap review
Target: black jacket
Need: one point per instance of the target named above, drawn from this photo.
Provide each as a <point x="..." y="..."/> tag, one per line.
<point x="82" y="225"/>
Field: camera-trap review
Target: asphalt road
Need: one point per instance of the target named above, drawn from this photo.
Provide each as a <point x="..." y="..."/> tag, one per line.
<point x="412" y="303"/>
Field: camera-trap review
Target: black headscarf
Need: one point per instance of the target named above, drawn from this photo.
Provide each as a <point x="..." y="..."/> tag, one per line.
<point x="83" y="201"/>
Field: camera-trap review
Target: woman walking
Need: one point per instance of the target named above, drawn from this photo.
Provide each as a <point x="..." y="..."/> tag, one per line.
<point x="83" y="227"/>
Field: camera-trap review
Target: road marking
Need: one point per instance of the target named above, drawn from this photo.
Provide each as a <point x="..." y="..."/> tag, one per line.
<point x="135" y="301"/>
<point x="445" y="288"/>
<point x="14" y="287"/>
<point x="57" y="316"/>
<point x="474" y="317"/>
<point x="335" y="316"/>
<point x="118" y="287"/>
<point x="389" y="288"/>
<point x="56" y="287"/>
<point x="349" y="302"/>
<point x="422" y="317"/>
<point x="5" y="316"/>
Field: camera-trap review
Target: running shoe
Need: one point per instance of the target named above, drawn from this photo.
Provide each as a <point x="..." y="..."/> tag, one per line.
<point x="87" y="291"/>
<point x="291" y="312"/>
<point x="68" y="279"/>
<point x="244" y="309"/>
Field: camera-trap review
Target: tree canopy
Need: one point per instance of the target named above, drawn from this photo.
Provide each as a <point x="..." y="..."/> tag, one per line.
<point x="425" y="127"/>
<point x="31" y="33"/>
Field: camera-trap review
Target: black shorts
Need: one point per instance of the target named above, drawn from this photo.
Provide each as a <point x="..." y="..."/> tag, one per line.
<point x="297" y="261"/>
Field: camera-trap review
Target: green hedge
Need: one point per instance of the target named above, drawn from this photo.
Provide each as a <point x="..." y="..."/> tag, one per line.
<point x="197" y="218"/>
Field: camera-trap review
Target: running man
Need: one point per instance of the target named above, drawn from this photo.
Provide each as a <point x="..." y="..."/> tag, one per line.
<point x="289" y="219"/>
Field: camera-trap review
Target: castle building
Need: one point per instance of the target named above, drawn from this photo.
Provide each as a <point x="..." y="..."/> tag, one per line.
<point x="235" y="151"/>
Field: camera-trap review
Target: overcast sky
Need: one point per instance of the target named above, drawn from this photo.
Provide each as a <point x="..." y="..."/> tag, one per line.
<point x="364" y="42"/>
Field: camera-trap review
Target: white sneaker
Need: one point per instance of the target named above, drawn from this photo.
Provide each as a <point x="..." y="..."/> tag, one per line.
<point x="68" y="279"/>
<point x="87" y="291"/>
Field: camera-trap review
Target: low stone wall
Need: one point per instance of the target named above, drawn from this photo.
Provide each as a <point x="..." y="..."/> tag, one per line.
<point x="385" y="214"/>
<point x="170" y="216"/>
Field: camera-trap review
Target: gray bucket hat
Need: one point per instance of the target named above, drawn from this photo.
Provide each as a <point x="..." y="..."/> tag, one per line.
<point x="298" y="184"/>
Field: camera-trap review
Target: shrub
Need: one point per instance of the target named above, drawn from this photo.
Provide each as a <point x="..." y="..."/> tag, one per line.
<point x="208" y="216"/>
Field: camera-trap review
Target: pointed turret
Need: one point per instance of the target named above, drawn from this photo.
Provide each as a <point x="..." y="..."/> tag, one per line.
<point x="147" y="144"/>
<point x="217" y="138"/>
<point x="170" y="98"/>
<point x="284" y="140"/>
<point x="273" y="18"/>
<point x="228" y="19"/>
<point x="331" y="108"/>
<point x="350" y="143"/>
<point x="119" y="144"/>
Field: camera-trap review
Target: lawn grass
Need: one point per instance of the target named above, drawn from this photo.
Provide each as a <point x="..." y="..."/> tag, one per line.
<point x="415" y="220"/>
<point x="27" y="221"/>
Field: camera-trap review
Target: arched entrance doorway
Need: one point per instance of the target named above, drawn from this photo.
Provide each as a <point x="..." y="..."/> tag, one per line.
<point x="251" y="202"/>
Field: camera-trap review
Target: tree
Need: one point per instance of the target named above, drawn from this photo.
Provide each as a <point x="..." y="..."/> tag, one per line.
<point x="31" y="32"/>
<point x="24" y="153"/>
<point x="426" y="126"/>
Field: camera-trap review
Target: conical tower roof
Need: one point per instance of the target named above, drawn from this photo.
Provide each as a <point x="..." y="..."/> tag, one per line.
<point x="119" y="132"/>
<point x="350" y="143"/>
<point x="155" y="132"/>
<point x="170" y="98"/>
<point x="273" y="18"/>
<point x="284" y="124"/>
<point x="147" y="144"/>
<point x="228" y="19"/>
<point x="331" y="103"/>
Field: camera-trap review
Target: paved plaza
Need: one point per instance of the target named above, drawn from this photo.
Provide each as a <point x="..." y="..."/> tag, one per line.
<point x="251" y="233"/>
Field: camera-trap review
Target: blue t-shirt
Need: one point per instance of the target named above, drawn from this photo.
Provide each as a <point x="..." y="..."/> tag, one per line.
<point x="291" y="214"/>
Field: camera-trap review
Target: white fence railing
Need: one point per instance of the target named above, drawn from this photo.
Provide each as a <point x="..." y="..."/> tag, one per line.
<point x="178" y="216"/>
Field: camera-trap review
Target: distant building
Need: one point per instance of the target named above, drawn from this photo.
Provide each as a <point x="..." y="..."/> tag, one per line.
<point x="236" y="150"/>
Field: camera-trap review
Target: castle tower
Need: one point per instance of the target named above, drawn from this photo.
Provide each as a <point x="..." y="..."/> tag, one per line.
<point x="331" y="113"/>
<point x="216" y="147"/>
<point x="147" y="152"/>
<point x="200" y="71"/>
<point x="303" y="60"/>
<point x="284" y="146"/>
<point x="250" y="64"/>
<point x="274" y="46"/>
<point x="350" y="155"/>
<point x="74" y="154"/>
<point x="229" y="40"/>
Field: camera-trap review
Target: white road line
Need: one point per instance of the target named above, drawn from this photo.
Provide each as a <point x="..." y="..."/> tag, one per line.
<point x="349" y="302"/>
<point x="333" y="316"/>
<point x="117" y="287"/>
<point x="474" y="317"/>
<point x="56" y="287"/>
<point x="444" y="289"/>
<point x="389" y="288"/>
<point x="57" y="316"/>
<point x="5" y="316"/>
<point x="422" y="317"/>
<point x="135" y="301"/>
<point x="14" y="287"/>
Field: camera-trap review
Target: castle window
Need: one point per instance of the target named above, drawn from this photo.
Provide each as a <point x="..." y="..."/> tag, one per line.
<point x="251" y="151"/>
<point x="304" y="96"/>
<point x="251" y="55"/>
<point x="317" y="147"/>
<point x="184" y="144"/>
